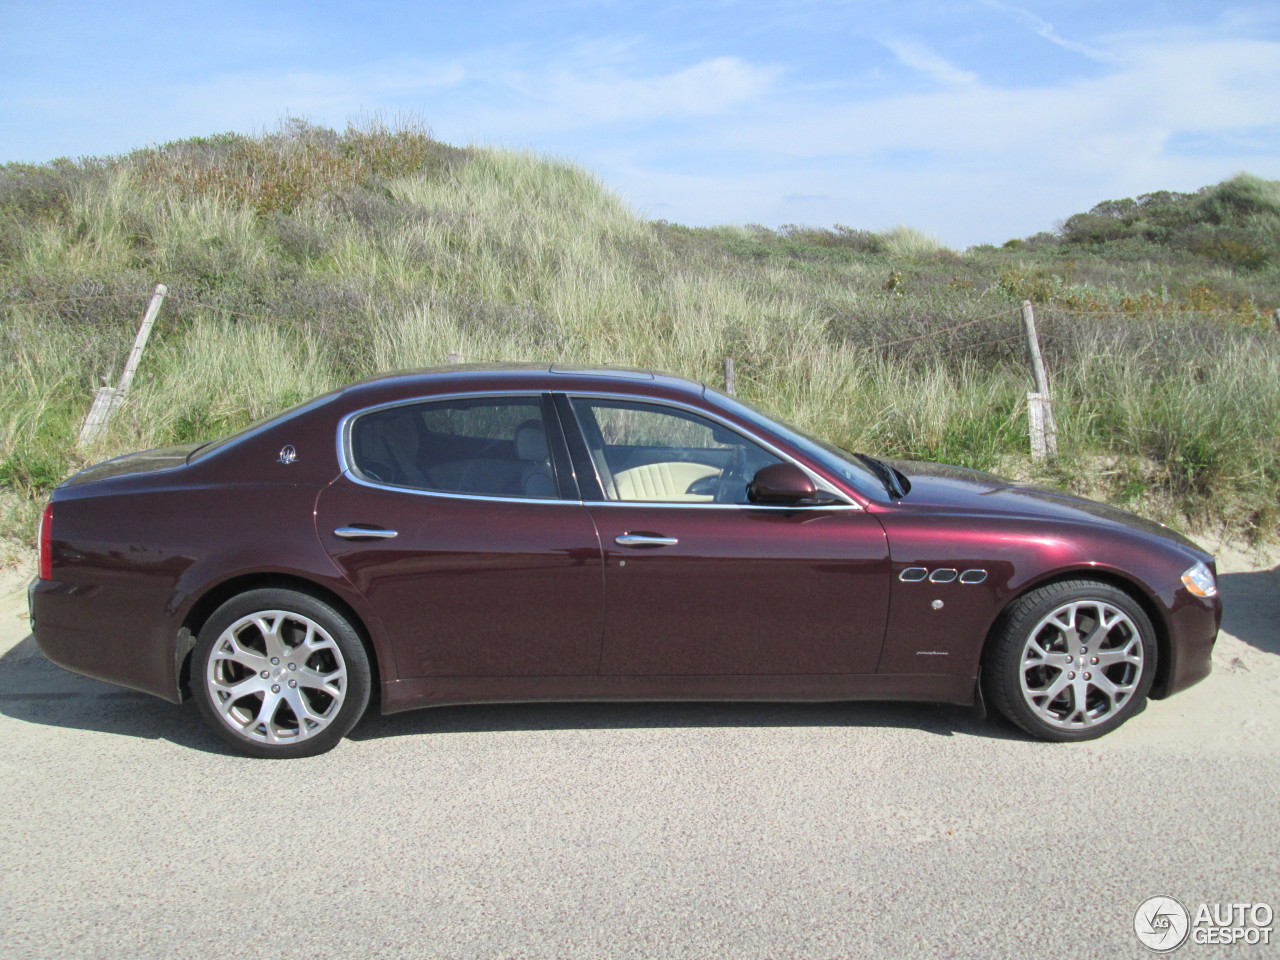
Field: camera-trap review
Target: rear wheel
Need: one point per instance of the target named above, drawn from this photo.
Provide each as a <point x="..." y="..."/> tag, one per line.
<point x="280" y="674"/>
<point x="1071" y="661"/>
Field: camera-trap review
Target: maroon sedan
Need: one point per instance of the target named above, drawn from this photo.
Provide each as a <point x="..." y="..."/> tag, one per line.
<point x="516" y="533"/>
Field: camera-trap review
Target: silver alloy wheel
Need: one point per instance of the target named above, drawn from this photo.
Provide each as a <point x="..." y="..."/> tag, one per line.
<point x="1081" y="664"/>
<point x="276" y="677"/>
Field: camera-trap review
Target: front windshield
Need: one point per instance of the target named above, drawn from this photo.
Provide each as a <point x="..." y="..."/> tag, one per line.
<point x="842" y="463"/>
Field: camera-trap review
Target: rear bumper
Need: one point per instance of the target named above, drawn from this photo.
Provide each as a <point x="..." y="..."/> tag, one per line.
<point x="89" y="629"/>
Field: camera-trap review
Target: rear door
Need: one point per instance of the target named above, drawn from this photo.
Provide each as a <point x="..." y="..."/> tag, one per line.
<point x="458" y="520"/>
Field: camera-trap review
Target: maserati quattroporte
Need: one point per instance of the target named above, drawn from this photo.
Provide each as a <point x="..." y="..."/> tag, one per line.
<point x="484" y="533"/>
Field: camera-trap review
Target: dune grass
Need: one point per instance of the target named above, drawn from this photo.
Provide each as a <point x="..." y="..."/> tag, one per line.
<point x="304" y="259"/>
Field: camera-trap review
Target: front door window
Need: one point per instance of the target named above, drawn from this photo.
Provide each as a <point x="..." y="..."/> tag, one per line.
<point x="644" y="452"/>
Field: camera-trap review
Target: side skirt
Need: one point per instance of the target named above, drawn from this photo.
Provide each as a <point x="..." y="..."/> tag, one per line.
<point x="401" y="695"/>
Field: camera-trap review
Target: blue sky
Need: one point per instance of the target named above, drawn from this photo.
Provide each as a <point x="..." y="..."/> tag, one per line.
<point x="973" y="120"/>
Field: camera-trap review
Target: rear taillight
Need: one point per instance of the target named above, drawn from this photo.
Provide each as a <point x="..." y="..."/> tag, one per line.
<point x="46" y="543"/>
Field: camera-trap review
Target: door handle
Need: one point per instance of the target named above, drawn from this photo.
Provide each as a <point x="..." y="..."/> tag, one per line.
<point x="644" y="540"/>
<point x="364" y="533"/>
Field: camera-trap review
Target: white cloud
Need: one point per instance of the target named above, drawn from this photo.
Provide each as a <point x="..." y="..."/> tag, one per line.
<point x="491" y="95"/>
<point x="919" y="57"/>
<point x="1045" y="29"/>
<point x="710" y="87"/>
<point x="232" y="100"/>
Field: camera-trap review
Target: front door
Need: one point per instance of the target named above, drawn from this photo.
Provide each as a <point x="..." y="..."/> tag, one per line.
<point x="698" y="582"/>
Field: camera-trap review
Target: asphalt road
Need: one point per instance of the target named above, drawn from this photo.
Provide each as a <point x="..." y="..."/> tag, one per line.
<point x="593" y="831"/>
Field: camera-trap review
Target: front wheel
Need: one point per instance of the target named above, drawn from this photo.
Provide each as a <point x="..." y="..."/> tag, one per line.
<point x="279" y="674"/>
<point x="1071" y="660"/>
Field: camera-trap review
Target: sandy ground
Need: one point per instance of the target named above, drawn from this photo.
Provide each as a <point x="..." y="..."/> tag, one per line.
<point x="636" y="830"/>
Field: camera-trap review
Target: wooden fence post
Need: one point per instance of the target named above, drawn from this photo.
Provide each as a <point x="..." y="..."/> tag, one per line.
<point x="1035" y="421"/>
<point x="1039" y="406"/>
<point x="730" y="380"/>
<point x="107" y="398"/>
<point x="104" y="401"/>
<point x="140" y="341"/>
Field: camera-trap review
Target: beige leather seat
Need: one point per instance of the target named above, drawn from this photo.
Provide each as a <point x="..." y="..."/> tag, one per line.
<point x="664" y="482"/>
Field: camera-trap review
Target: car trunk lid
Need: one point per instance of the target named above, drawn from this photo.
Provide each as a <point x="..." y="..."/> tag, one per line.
<point x="146" y="461"/>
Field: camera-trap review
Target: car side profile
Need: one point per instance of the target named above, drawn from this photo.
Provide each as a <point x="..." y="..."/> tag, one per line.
<point x="514" y="533"/>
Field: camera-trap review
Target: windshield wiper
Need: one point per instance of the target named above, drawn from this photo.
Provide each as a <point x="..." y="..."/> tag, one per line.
<point x="888" y="476"/>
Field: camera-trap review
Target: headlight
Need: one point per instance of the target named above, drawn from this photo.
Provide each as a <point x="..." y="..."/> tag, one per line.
<point x="1199" y="581"/>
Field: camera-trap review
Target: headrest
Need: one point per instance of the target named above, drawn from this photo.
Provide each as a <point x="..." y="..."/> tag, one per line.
<point x="531" y="441"/>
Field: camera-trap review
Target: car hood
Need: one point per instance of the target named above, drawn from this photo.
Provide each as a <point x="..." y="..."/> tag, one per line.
<point x="938" y="486"/>
<point x="147" y="461"/>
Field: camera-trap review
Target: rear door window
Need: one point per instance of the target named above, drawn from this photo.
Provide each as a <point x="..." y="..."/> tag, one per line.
<point x="479" y="446"/>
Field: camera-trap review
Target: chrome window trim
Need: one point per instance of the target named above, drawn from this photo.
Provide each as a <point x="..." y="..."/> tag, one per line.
<point x="720" y="506"/>
<point x="346" y="458"/>
<point x="417" y="491"/>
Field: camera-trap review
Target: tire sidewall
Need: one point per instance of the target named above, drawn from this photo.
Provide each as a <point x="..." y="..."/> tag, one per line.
<point x="1003" y="668"/>
<point x="355" y="658"/>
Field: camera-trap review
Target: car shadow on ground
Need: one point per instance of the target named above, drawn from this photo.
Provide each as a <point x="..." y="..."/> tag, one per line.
<point x="941" y="720"/>
<point x="1251" y="607"/>
<point x="36" y="691"/>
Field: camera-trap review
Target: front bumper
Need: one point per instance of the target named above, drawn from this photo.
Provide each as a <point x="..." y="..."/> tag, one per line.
<point x="1193" y="631"/>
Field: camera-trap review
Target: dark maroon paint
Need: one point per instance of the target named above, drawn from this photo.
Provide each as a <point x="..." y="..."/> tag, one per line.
<point x="486" y="600"/>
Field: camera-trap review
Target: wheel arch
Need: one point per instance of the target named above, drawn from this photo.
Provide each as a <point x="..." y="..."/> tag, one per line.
<point x="1132" y="588"/>
<point x="220" y="593"/>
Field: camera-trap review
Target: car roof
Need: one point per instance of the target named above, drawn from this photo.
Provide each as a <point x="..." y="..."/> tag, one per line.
<point x="466" y="377"/>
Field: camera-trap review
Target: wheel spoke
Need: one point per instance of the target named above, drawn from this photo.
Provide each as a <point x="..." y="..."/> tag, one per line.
<point x="1051" y="692"/>
<point x="237" y="689"/>
<point x="330" y="683"/>
<point x="1104" y="685"/>
<point x="1098" y="635"/>
<point x="230" y="650"/>
<point x="266" y="714"/>
<point x="233" y="702"/>
<point x="270" y="624"/>
<point x="1064" y="618"/>
<point x="1080" y="702"/>
<point x="1034" y="646"/>
<point x="1109" y="658"/>
<point x="308" y="720"/>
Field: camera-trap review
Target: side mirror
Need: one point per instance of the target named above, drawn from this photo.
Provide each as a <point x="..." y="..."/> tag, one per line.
<point x="781" y="483"/>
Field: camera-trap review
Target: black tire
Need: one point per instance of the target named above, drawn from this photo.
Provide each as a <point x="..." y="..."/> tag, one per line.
<point x="247" y="681"/>
<point x="1083" y="678"/>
